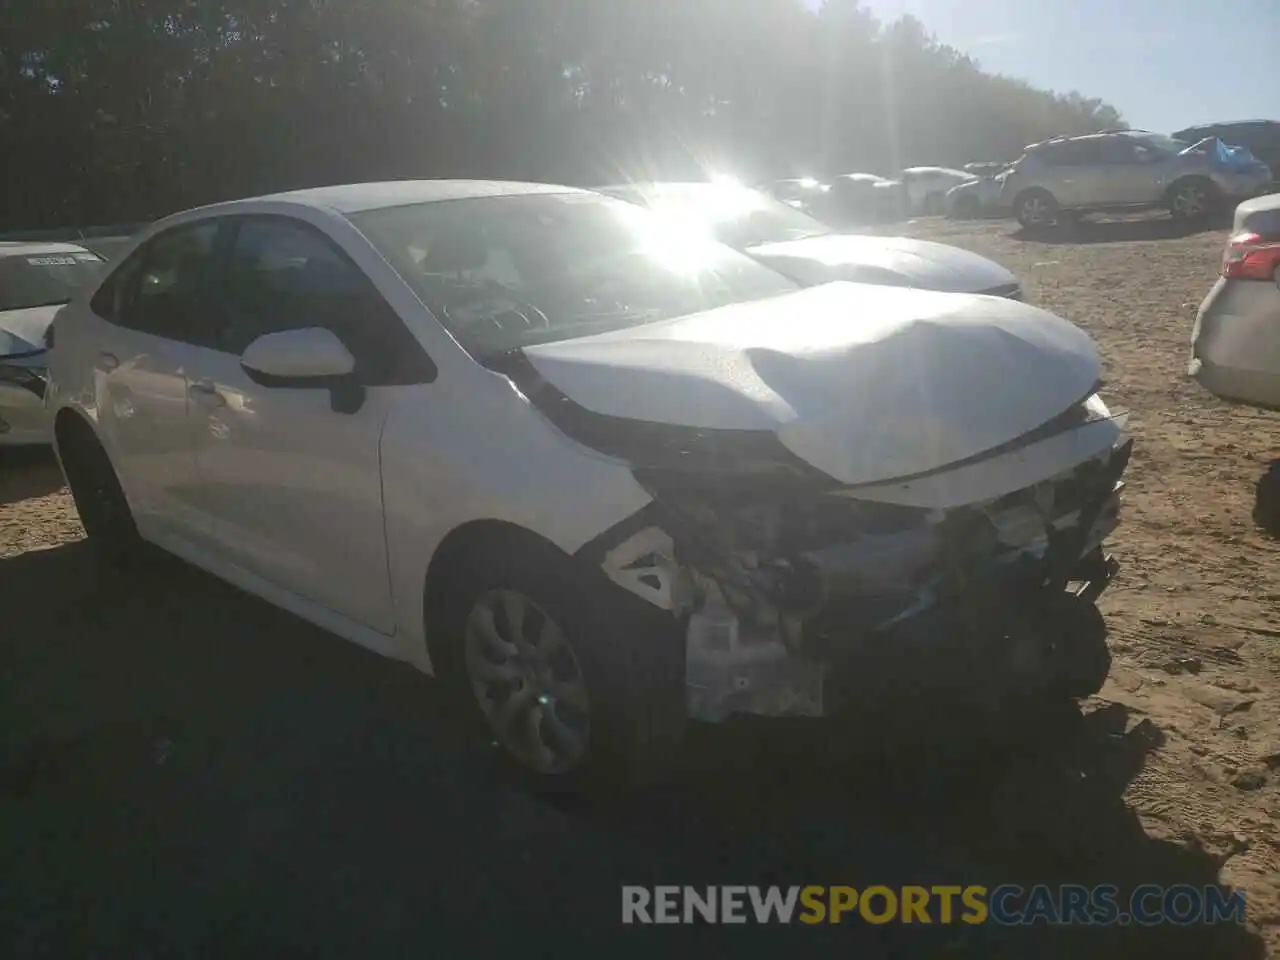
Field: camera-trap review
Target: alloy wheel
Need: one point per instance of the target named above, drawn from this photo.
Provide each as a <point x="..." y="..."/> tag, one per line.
<point x="1190" y="200"/>
<point x="527" y="682"/>
<point x="1035" y="210"/>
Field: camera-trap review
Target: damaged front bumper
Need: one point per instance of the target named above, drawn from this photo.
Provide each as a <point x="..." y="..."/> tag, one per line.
<point x="785" y="623"/>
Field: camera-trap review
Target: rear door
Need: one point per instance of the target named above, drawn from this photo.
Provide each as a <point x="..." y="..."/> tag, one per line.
<point x="139" y="340"/>
<point x="1078" y="174"/>
<point x="291" y="487"/>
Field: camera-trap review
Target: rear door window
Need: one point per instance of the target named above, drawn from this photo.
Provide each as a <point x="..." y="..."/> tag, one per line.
<point x="1122" y="150"/>
<point x="163" y="288"/>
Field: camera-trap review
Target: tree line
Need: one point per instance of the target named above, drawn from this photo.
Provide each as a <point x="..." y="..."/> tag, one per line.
<point x="129" y="109"/>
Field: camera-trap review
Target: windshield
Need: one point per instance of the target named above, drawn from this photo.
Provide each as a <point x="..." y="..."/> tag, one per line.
<point x="737" y="216"/>
<point x="506" y="272"/>
<point x="46" y="279"/>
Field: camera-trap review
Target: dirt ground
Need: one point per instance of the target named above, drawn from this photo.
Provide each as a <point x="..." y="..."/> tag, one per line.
<point x="187" y="770"/>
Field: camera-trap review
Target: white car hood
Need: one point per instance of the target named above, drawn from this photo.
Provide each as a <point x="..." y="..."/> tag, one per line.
<point x="22" y="331"/>
<point x="865" y="382"/>
<point x="893" y="260"/>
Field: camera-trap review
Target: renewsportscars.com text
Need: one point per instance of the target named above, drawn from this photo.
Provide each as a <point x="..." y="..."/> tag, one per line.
<point x="1007" y="904"/>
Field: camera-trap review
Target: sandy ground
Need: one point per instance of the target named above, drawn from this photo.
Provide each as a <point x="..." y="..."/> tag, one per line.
<point x="187" y="770"/>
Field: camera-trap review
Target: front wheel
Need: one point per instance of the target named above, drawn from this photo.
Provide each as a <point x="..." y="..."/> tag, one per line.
<point x="1191" y="199"/>
<point x="577" y="687"/>
<point x="1036" y="209"/>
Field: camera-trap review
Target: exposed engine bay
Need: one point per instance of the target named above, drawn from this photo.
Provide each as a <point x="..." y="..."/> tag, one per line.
<point x="778" y="573"/>
<point x="772" y="590"/>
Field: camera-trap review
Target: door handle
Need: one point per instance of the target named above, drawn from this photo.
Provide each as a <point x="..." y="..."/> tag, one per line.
<point x="108" y="361"/>
<point x="205" y="390"/>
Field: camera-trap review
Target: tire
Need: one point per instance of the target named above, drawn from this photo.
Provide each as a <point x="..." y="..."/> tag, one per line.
<point x="1036" y="209"/>
<point x="1082" y="658"/>
<point x="1266" y="501"/>
<point x="598" y="677"/>
<point x="100" y="500"/>
<point x="1192" y="199"/>
<point x="966" y="208"/>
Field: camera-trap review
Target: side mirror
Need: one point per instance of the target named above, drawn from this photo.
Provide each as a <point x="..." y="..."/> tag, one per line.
<point x="310" y="358"/>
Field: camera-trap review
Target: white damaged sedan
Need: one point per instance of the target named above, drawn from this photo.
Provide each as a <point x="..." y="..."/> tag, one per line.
<point x="602" y="477"/>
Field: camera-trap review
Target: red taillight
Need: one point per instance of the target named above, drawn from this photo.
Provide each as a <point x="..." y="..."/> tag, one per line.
<point x="1249" y="256"/>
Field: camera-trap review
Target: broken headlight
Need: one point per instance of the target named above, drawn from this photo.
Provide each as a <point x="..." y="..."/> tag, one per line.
<point x="1096" y="409"/>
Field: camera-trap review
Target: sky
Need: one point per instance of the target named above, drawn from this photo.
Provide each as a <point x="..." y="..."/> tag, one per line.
<point x="1164" y="64"/>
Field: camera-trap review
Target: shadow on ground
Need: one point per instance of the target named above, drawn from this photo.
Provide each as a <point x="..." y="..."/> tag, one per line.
<point x="27" y="472"/>
<point x="1119" y="230"/>
<point x="186" y="770"/>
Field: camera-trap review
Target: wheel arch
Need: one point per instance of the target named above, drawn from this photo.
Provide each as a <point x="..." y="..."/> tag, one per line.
<point x="1211" y="188"/>
<point x="70" y="424"/>
<point x="469" y="539"/>
<point x="1029" y="191"/>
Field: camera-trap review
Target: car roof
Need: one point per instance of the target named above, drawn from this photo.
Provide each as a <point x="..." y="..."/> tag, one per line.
<point x="355" y="197"/>
<point x="1231" y="123"/>
<point x="26" y="248"/>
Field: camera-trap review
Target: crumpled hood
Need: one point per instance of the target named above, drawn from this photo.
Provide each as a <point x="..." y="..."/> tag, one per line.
<point x="22" y="331"/>
<point x="894" y="260"/>
<point x="865" y="382"/>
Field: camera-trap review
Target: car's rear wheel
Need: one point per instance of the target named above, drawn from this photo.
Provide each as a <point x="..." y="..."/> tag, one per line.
<point x="578" y="687"/>
<point x="1036" y="209"/>
<point x="100" y="500"/>
<point x="1192" y="198"/>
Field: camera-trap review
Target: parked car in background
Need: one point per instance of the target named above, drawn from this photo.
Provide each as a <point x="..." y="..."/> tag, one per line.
<point x="926" y="187"/>
<point x="860" y="198"/>
<point x="1261" y="137"/>
<point x="986" y="168"/>
<point x="977" y="197"/>
<point x="107" y="247"/>
<point x="600" y="475"/>
<point x="811" y="252"/>
<point x="1122" y="171"/>
<point x="36" y="279"/>
<point x="803" y="193"/>
<point x="1235" y="344"/>
<point x="104" y="240"/>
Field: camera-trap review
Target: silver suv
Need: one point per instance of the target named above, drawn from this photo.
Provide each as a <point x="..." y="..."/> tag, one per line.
<point x="1130" y="170"/>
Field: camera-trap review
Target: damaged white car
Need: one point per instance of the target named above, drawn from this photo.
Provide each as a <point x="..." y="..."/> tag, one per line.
<point x="603" y="477"/>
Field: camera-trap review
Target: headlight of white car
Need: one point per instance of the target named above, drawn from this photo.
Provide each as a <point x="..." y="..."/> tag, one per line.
<point x="1097" y="408"/>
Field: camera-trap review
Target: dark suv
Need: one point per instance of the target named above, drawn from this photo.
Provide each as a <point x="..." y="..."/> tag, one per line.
<point x="1260" y="137"/>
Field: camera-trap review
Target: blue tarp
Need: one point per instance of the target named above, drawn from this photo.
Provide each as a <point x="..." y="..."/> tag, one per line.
<point x="1223" y="155"/>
